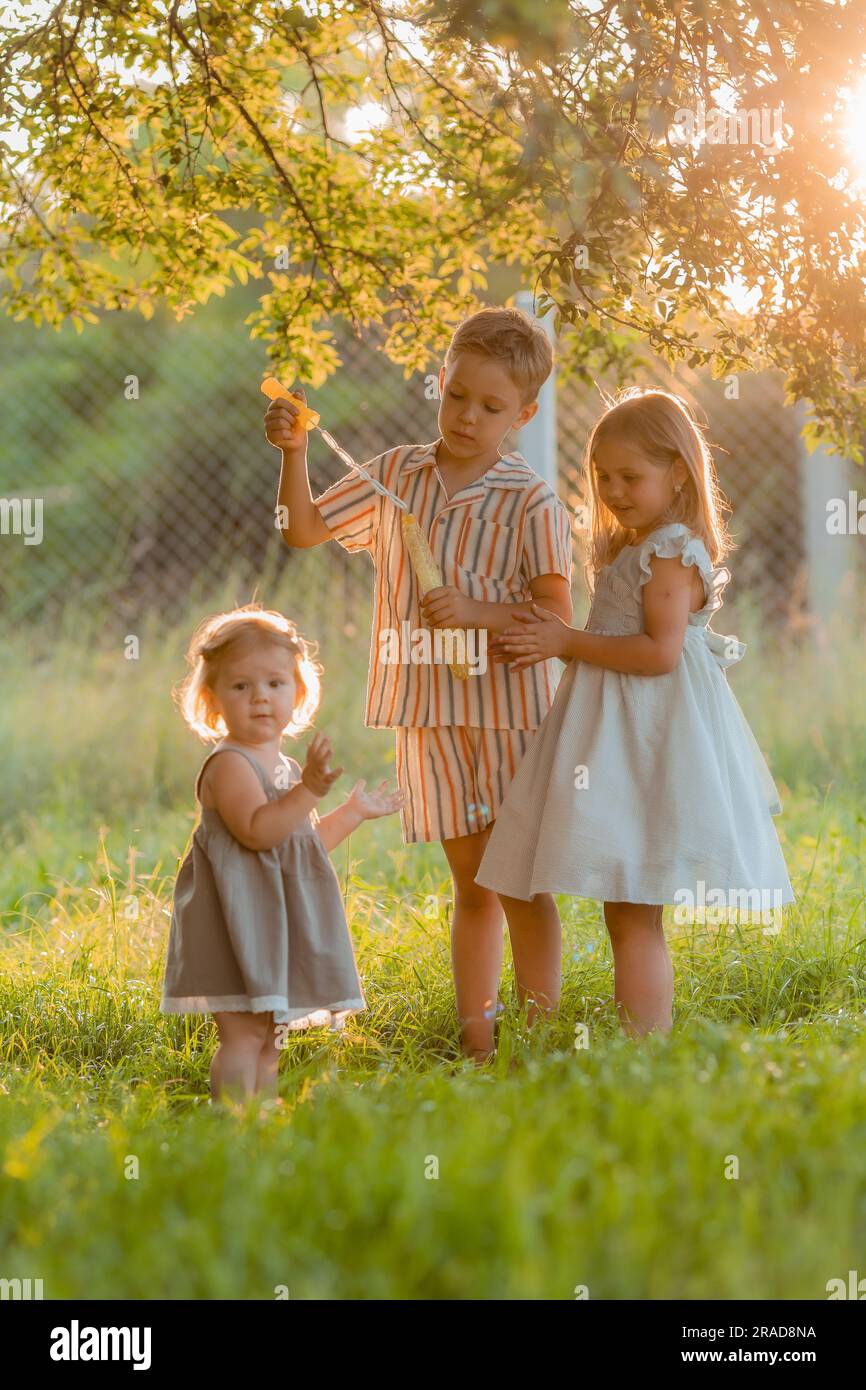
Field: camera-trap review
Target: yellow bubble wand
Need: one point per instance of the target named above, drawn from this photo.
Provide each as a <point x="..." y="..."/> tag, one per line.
<point x="427" y="572"/>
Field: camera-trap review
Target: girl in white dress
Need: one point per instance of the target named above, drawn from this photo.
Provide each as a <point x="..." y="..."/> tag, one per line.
<point x="644" y="784"/>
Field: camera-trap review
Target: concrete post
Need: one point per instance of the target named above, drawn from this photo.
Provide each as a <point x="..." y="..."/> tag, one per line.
<point x="829" y="557"/>
<point x="537" y="440"/>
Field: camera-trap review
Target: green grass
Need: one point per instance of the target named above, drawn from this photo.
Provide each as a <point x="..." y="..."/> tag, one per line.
<point x="605" y="1167"/>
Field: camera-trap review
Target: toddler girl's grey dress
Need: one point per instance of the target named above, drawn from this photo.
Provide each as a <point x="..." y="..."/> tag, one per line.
<point x="645" y="789"/>
<point x="260" y="931"/>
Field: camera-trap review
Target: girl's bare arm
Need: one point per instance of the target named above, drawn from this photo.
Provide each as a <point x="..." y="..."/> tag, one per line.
<point x="667" y="599"/>
<point x="667" y="602"/>
<point x="337" y="825"/>
<point x="237" y="793"/>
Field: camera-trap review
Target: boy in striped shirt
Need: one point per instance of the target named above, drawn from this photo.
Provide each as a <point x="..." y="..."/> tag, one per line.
<point x="502" y="540"/>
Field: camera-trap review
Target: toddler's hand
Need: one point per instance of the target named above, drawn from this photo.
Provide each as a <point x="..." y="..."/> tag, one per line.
<point x="281" y="425"/>
<point x="376" y="802"/>
<point x="317" y="777"/>
<point x="542" y="634"/>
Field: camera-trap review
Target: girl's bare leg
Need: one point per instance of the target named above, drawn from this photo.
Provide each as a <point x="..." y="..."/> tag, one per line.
<point x="536" y="946"/>
<point x="476" y="945"/>
<point x="643" y="973"/>
<point x="234" y="1067"/>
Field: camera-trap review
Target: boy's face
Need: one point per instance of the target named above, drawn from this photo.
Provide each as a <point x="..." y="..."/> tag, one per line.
<point x="479" y="404"/>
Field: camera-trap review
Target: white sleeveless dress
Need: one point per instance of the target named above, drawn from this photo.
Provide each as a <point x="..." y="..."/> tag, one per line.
<point x="645" y="789"/>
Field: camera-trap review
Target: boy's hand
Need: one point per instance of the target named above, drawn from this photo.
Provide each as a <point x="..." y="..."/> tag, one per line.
<point x="447" y="607"/>
<point x="376" y="802"/>
<point x="317" y="776"/>
<point x="542" y="634"/>
<point x="281" y="425"/>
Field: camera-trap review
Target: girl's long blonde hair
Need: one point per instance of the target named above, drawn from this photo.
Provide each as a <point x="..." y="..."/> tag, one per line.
<point x="662" y="427"/>
<point x="242" y="629"/>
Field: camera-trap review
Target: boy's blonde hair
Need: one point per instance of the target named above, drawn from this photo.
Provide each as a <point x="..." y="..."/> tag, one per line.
<point x="662" y="427"/>
<point x="511" y="337"/>
<point x="243" y="629"/>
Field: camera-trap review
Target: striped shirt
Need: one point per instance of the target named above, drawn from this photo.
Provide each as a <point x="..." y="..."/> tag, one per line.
<point x="489" y="539"/>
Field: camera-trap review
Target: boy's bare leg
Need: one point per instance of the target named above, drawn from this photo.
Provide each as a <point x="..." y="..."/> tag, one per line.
<point x="476" y="945"/>
<point x="536" y="946"/>
<point x="643" y="973"/>
<point x="267" y="1068"/>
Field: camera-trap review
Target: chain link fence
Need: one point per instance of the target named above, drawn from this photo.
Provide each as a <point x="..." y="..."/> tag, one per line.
<point x="144" y="443"/>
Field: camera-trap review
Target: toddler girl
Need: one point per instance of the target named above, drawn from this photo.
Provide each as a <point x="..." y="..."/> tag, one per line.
<point x="644" y="784"/>
<point x="258" y="933"/>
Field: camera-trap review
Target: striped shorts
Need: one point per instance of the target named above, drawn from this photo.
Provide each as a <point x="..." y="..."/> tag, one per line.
<point x="455" y="777"/>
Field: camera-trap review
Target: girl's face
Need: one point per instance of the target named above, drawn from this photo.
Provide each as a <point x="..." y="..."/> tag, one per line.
<point x="256" y="691"/>
<point x="637" y="491"/>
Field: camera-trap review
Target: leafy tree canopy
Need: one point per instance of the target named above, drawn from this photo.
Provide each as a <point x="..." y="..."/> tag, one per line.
<point x="681" y="176"/>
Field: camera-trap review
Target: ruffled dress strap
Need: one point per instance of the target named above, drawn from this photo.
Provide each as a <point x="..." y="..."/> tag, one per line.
<point x="676" y="541"/>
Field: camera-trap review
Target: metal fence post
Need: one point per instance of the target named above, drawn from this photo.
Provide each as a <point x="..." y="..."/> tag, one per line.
<point x="537" y="440"/>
